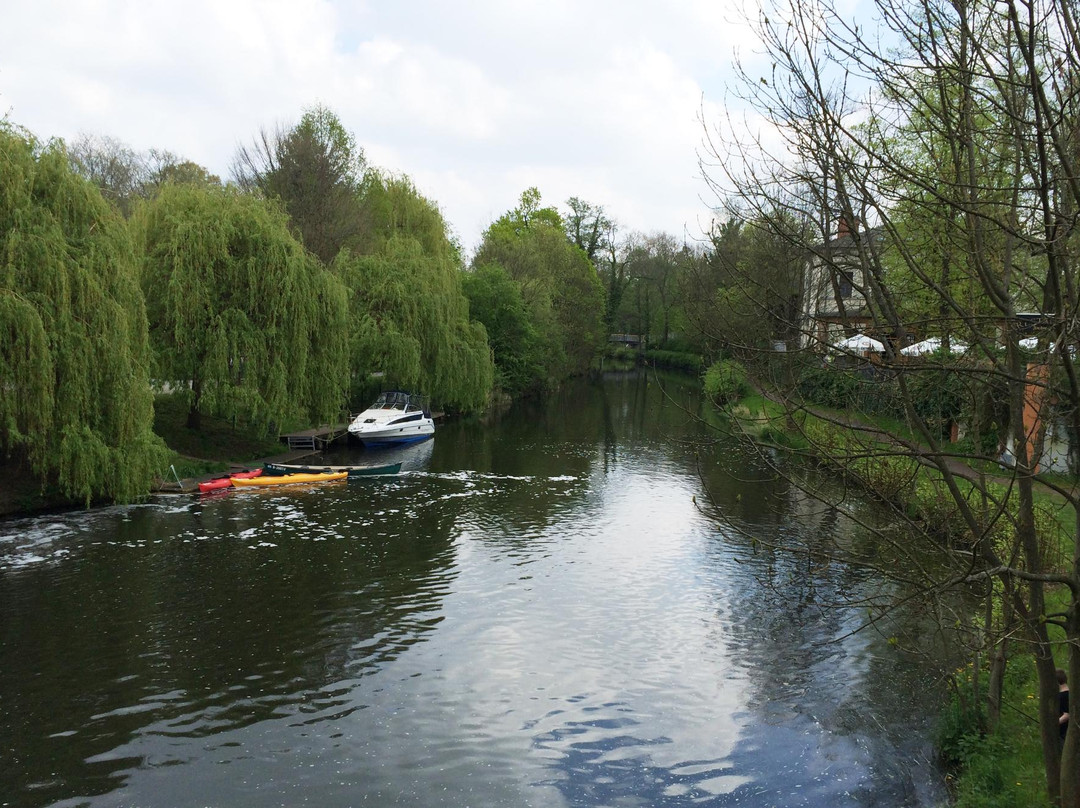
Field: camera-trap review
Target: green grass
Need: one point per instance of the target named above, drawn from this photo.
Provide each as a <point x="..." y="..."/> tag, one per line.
<point x="212" y="447"/>
<point x="766" y="422"/>
<point x="1004" y="770"/>
<point x="189" y="467"/>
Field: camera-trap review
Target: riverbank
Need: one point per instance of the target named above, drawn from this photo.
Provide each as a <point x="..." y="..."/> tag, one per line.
<point x="216" y="447"/>
<point x="1002" y="769"/>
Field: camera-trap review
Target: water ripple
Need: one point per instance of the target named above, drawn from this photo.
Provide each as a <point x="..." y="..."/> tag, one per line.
<point x="503" y="625"/>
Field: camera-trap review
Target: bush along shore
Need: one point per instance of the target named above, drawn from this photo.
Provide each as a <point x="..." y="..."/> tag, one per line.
<point x="988" y="737"/>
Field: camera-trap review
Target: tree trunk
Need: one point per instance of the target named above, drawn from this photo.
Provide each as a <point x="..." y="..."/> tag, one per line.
<point x="1070" y="754"/>
<point x="194" y="416"/>
<point x="998" y="660"/>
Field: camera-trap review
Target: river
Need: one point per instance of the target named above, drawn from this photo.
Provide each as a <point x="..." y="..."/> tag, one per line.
<point x="563" y="606"/>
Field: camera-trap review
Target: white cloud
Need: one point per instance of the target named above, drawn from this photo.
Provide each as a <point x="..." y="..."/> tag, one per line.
<point x="475" y="101"/>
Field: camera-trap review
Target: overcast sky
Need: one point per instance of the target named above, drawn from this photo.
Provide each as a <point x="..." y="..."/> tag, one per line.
<point x="475" y="100"/>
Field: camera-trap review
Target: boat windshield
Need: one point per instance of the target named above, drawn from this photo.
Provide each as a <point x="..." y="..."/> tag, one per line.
<point x="391" y="401"/>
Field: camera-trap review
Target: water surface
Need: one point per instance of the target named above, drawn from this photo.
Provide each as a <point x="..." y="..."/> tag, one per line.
<point x="541" y="610"/>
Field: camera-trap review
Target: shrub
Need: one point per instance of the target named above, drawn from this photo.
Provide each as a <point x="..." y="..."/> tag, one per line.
<point x="827" y="385"/>
<point x="675" y="360"/>
<point x="726" y="382"/>
<point x="623" y="353"/>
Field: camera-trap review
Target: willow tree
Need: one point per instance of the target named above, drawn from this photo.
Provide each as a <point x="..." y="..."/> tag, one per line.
<point x="409" y="315"/>
<point x="75" y="396"/>
<point x="242" y="320"/>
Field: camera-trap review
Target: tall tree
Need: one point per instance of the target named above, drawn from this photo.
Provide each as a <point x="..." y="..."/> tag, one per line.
<point x="558" y="283"/>
<point x="75" y="396"/>
<point x="495" y="301"/>
<point x="589" y="228"/>
<point x="115" y="168"/>
<point x="316" y="169"/>
<point x="242" y="319"/>
<point x="125" y="176"/>
<point x="655" y="265"/>
<point x="747" y="292"/>
<point x="162" y="167"/>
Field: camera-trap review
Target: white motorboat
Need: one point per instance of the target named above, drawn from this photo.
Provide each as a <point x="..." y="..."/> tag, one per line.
<point x="395" y="417"/>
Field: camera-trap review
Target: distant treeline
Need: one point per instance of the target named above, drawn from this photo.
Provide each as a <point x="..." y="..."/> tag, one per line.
<point x="275" y="297"/>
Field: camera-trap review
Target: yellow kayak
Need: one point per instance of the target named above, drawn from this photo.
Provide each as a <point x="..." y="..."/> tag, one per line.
<point x="286" y="479"/>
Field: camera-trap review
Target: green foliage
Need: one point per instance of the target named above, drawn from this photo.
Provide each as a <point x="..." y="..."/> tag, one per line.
<point x="739" y="320"/>
<point x="495" y="301"/>
<point x="393" y="206"/>
<point x="939" y="393"/>
<point x="999" y="770"/>
<point x="559" y="286"/>
<point x="589" y="227"/>
<point x="726" y="382"/>
<point x="676" y="360"/>
<point x="849" y="388"/>
<point x="623" y="353"/>
<point x="410" y="315"/>
<point x="125" y="176"/>
<point x="744" y="293"/>
<point x="316" y="170"/>
<point x="826" y="385"/>
<point x="652" y="304"/>
<point x="242" y="319"/>
<point x="961" y="724"/>
<point x="75" y="395"/>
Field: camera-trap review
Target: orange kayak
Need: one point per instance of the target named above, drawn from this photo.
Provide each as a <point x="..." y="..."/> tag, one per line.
<point x="289" y="479"/>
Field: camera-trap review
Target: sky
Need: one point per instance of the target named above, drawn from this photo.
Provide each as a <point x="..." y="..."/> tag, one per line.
<point x="474" y="100"/>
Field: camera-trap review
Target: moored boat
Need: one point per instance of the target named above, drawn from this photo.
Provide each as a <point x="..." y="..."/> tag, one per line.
<point x="289" y="479"/>
<point x="395" y="417"/>
<point x="278" y="469"/>
<point x="225" y="481"/>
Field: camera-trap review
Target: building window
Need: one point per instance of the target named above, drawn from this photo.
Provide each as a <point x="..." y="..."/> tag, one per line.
<point x="844" y="283"/>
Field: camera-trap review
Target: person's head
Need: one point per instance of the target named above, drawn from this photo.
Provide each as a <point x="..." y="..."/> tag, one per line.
<point x="1061" y="677"/>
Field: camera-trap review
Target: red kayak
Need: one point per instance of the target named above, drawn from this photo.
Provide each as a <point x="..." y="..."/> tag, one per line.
<point x="226" y="481"/>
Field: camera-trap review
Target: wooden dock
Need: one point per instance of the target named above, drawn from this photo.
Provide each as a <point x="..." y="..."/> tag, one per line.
<point x="317" y="438"/>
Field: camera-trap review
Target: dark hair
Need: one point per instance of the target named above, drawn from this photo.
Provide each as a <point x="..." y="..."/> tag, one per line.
<point x="1062" y="678"/>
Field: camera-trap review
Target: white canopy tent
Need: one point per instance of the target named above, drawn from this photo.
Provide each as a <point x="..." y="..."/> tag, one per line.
<point x="860" y="343"/>
<point x="931" y="345"/>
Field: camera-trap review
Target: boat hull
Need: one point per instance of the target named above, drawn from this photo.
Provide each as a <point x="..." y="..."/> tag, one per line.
<point x="395" y="438"/>
<point x="289" y="479"/>
<point x="394" y="418"/>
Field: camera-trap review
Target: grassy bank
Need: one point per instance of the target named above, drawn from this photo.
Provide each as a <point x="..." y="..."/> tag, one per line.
<point x="215" y="446"/>
<point x="766" y="422"/>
